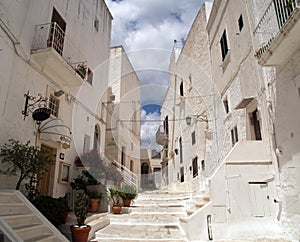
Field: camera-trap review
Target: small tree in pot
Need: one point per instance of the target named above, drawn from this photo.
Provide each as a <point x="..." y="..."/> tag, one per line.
<point x="80" y="231"/>
<point x="115" y="197"/>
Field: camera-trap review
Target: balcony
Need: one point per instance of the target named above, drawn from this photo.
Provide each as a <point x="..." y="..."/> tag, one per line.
<point x="278" y="32"/>
<point x="56" y="56"/>
<point x="161" y="136"/>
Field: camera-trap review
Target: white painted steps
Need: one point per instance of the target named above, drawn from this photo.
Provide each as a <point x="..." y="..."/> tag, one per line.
<point x="21" y="221"/>
<point x="154" y="216"/>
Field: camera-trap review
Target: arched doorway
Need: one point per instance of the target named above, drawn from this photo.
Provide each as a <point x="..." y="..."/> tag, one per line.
<point x="144" y="172"/>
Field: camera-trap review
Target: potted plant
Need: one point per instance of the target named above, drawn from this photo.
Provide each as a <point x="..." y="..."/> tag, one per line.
<point x="80" y="231"/>
<point x="95" y="198"/>
<point x="128" y="193"/>
<point x="115" y="198"/>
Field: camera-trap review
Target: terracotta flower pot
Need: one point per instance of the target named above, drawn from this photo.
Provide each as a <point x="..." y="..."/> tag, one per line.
<point x="94" y="205"/>
<point x="127" y="202"/>
<point x="117" y="209"/>
<point x="80" y="234"/>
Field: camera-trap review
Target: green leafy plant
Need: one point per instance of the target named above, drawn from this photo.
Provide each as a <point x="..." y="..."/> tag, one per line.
<point x="24" y="161"/>
<point x="54" y="209"/>
<point x="94" y="194"/>
<point x="114" y="195"/>
<point x="81" y="208"/>
<point x="128" y="192"/>
<point x="83" y="181"/>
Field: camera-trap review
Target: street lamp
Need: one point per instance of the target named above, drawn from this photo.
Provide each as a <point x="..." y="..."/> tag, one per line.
<point x="199" y="117"/>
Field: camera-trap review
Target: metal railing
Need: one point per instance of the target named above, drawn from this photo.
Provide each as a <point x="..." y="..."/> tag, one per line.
<point x="129" y="177"/>
<point x="273" y="20"/>
<point x="50" y="35"/>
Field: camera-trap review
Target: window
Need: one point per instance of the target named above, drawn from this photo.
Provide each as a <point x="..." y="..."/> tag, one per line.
<point x="226" y="105"/>
<point x="166" y="125"/>
<point x="195" y="166"/>
<point x="64" y="173"/>
<point x="86" y="143"/>
<point x="234" y="136"/>
<point x="96" y="138"/>
<point x="131" y="146"/>
<point x="181" y="174"/>
<point x="241" y="23"/>
<point x="131" y="165"/>
<point x="181" y="89"/>
<point x="193" y="138"/>
<point x="180" y="150"/>
<point x="203" y="165"/>
<point x="53" y="105"/>
<point x="96" y="24"/>
<point x="123" y="156"/>
<point x="224" y="45"/>
<point x="90" y="77"/>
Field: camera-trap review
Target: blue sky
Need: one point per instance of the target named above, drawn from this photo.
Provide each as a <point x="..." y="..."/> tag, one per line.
<point x="147" y="30"/>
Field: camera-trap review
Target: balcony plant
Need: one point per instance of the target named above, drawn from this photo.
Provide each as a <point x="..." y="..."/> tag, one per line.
<point x="80" y="231"/>
<point x="115" y="198"/>
<point x="128" y="193"/>
<point x="81" y="69"/>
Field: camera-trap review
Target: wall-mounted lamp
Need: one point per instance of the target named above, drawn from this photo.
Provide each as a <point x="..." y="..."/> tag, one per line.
<point x="59" y="93"/>
<point x="36" y="106"/>
<point x="200" y="117"/>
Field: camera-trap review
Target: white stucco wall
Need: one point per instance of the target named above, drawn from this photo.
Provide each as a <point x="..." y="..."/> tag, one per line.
<point x="20" y="73"/>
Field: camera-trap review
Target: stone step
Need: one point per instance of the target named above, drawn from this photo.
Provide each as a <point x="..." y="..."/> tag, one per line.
<point x="140" y="232"/>
<point x="30" y="233"/>
<point x="161" y="219"/>
<point x="154" y="210"/>
<point x="13" y="208"/>
<point x="137" y="240"/>
<point x="21" y="220"/>
<point x="8" y="197"/>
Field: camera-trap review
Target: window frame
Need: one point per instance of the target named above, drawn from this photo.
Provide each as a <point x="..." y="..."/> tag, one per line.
<point x="241" y="23"/>
<point x="224" y="45"/>
<point x="234" y="135"/>
<point x="53" y="106"/>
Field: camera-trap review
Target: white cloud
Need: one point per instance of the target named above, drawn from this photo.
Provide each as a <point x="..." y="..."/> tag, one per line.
<point x="147" y="29"/>
<point x="148" y="130"/>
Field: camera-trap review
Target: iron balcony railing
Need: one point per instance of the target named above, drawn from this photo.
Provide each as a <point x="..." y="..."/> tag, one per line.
<point x="50" y="35"/>
<point x="273" y="20"/>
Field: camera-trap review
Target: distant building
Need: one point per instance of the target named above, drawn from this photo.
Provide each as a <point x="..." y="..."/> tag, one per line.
<point x="123" y="112"/>
<point x="151" y="169"/>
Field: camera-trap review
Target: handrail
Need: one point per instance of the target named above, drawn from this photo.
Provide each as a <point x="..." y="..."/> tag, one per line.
<point x="129" y="177"/>
<point x="9" y="232"/>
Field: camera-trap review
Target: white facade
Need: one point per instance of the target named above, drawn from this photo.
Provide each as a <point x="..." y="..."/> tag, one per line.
<point x="123" y="112"/>
<point x="236" y="143"/>
<point x="42" y="57"/>
<point x="277" y="35"/>
<point x="184" y="145"/>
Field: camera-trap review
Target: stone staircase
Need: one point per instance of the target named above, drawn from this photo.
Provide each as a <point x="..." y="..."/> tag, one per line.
<point x="154" y="216"/>
<point x="21" y="221"/>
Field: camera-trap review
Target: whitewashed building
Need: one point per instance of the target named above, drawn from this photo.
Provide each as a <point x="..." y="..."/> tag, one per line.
<point x="183" y="154"/>
<point x="232" y="120"/>
<point x="277" y="35"/>
<point x="123" y="114"/>
<point x="59" y="50"/>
